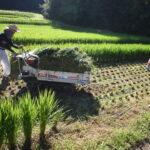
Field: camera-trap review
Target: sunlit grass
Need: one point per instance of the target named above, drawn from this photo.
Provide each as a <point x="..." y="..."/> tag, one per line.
<point x="11" y="115"/>
<point x="21" y="14"/>
<point x="18" y="17"/>
<point x="37" y="30"/>
<point x="106" y="52"/>
<point x="2" y="132"/>
<point x="28" y="116"/>
<point x="48" y="110"/>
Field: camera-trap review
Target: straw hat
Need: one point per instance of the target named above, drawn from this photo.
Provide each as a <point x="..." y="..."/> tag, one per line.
<point x="13" y="27"/>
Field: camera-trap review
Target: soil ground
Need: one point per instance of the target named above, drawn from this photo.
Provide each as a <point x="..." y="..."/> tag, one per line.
<point x="117" y="93"/>
<point x="145" y="145"/>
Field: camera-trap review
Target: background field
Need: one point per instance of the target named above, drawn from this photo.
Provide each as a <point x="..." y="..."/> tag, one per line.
<point x="102" y="45"/>
<point x="119" y="90"/>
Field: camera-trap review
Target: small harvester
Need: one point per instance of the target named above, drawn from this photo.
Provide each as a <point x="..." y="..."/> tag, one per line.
<point x="29" y="71"/>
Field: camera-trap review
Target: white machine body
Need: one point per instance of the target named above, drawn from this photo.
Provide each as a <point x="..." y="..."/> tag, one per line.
<point x="26" y="71"/>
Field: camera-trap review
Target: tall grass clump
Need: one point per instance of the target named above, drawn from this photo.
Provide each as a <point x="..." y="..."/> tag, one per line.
<point x="11" y="115"/>
<point x="2" y="132"/>
<point x="57" y="117"/>
<point x="47" y="105"/>
<point x="28" y="116"/>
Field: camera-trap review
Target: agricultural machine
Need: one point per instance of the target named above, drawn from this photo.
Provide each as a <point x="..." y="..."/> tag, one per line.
<point x="29" y="70"/>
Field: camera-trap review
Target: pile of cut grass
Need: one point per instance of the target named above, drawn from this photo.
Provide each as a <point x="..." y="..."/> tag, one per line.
<point x="68" y="60"/>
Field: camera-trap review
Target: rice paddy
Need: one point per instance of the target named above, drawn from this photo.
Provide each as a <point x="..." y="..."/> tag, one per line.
<point x="119" y="88"/>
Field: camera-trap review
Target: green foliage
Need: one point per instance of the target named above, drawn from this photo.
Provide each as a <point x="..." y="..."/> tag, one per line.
<point x="130" y="16"/>
<point x="137" y="131"/>
<point x="11" y="115"/>
<point x="47" y="105"/>
<point x="68" y="60"/>
<point x="18" y="5"/>
<point x="28" y="115"/>
<point x="108" y="52"/>
<point x="17" y="17"/>
<point x="2" y="131"/>
<point x="120" y="139"/>
<point x="89" y="40"/>
<point x="58" y="115"/>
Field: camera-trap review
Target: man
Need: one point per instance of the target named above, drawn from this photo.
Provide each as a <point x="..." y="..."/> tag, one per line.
<point x="6" y="44"/>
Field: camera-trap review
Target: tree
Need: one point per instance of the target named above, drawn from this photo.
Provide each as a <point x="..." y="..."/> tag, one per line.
<point x="130" y="16"/>
<point x="27" y="5"/>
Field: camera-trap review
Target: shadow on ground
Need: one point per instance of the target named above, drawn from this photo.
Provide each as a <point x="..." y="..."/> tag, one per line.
<point x="121" y="37"/>
<point x="78" y="103"/>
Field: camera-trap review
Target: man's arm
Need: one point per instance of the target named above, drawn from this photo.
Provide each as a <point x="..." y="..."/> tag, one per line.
<point x="1" y="39"/>
<point x="11" y="50"/>
<point x="15" y="46"/>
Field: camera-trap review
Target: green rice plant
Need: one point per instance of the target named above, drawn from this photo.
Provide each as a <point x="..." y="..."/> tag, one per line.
<point x="11" y="116"/>
<point x="47" y="104"/>
<point x="43" y="32"/>
<point x="18" y="17"/>
<point x="58" y="115"/>
<point x="28" y="116"/>
<point x="107" y="52"/>
<point x="37" y="30"/>
<point x="2" y="132"/>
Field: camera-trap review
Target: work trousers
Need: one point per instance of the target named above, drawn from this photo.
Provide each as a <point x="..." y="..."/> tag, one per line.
<point x="5" y="63"/>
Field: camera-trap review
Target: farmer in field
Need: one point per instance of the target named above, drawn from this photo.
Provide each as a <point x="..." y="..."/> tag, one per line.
<point x="6" y="44"/>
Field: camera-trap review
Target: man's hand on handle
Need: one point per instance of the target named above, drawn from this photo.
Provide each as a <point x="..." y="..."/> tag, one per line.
<point x="21" y="47"/>
<point x="14" y="54"/>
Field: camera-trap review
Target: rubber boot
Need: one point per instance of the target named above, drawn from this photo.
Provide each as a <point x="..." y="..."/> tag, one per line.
<point x="4" y="83"/>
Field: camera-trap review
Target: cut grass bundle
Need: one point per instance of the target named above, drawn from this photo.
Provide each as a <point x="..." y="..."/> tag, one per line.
<point x="11" y="116"/>
<point x="28" y="116"/>
<point x="68" y="60"/>
<point x="47" y="105"/>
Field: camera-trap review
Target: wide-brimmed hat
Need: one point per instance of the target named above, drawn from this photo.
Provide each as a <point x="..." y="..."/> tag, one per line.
<point x="13" y="27"/>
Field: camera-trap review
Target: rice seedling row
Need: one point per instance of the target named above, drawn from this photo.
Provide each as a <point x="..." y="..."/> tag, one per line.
<point x="34" y="16"/>
<point x="24" y="115"/>
<point x="44" y="32"/>
<point x="121" y="72"/>
<point x="132" y="82"/>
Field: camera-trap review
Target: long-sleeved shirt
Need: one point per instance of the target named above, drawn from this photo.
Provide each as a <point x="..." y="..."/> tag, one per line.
<point x="6" y="43"/>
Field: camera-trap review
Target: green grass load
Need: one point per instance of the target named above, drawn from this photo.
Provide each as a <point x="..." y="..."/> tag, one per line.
<point x="68" y="60"/>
